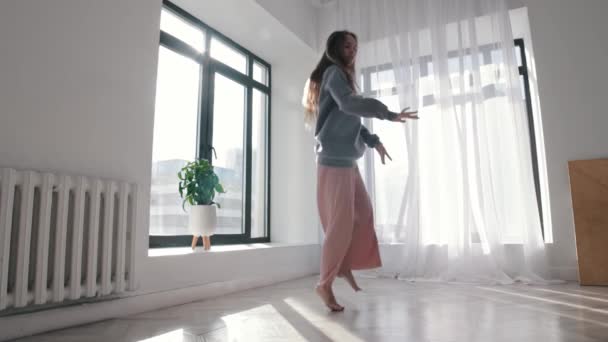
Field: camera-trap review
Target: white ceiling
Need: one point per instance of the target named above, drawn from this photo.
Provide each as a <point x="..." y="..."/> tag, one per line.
<point x="299" y="16"/>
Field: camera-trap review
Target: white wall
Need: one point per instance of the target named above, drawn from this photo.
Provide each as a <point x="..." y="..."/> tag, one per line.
<point x="77" y="88"/>
<point x="571" y="52"/>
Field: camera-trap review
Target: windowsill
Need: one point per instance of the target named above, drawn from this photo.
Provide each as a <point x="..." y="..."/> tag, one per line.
<point x="161" y="252"/>
<point x="171" y="251"/>
<point x="506" y="243"/>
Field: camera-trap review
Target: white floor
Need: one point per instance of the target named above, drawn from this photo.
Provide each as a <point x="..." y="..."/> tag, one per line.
<point x="387" y="310"/>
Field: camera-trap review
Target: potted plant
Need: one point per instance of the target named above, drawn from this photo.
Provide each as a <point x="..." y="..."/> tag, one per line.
<point x="197" y="186"/>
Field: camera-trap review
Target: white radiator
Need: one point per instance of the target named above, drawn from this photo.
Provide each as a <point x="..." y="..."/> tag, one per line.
<point x="64" y="237"/>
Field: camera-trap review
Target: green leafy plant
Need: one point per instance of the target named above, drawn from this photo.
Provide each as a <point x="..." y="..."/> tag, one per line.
<point x="199" y="183"/>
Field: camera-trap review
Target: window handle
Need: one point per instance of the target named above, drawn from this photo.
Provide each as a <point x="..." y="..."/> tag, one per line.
<point x="213" y="149"/>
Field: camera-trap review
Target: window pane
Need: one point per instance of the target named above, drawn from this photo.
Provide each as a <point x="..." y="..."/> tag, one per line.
<point x="179" y="28"/>
<point x="523" y="87"/>
<point x="497" y="56"/>
<point x="362" y="83"/>
<point x="383" y="80"/>
<point x="175" y="127"/>
<point x="229" y="56"/>
<point x="390" y="177"/>
<point x="258" y="164"/>
<point x="228" y="133"/>
<point x="518" y="55"/>
<point x="260" y="73"/>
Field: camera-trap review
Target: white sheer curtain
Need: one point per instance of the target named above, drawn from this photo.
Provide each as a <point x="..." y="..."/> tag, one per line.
<point x="459" y="198"/>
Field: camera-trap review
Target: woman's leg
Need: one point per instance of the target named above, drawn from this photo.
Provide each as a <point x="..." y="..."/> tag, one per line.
<point x="363" y="252"/>
<point x="335" y="199"/>
<point x="350" y="279"/>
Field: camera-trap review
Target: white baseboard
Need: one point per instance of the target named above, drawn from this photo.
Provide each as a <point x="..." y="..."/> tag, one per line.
<point x="17" y="326"/>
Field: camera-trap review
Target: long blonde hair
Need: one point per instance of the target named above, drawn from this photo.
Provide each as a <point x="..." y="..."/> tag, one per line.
<point x="331" y="56"/>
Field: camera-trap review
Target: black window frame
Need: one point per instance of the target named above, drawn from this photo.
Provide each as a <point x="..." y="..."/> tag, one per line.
<point x="210" y="67"/>
<point x="485" y="51"/>
<point x="523" y="71"/>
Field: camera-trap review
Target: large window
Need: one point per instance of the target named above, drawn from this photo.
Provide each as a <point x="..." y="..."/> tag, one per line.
<point x="212" y="102"/>
<point x="379" y="82"/>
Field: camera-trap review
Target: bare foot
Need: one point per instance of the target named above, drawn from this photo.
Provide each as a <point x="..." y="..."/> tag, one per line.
<point x="350" y="279"/>
<point x="328" y="298"/>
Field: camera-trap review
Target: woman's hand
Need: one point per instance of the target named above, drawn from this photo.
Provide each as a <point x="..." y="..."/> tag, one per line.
<point x="382" y="152"/>
<point x="404" y="115"/>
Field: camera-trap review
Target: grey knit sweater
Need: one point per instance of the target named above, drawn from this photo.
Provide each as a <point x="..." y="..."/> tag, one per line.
<point x="341" y="138"/>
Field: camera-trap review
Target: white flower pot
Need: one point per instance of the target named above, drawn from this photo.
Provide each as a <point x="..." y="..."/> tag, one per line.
<point x="203" y="219"/>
